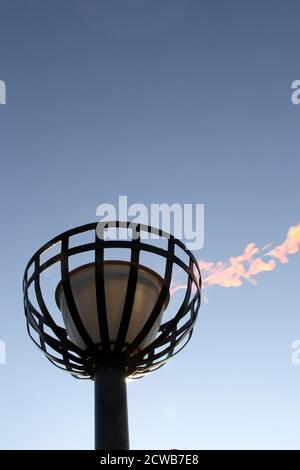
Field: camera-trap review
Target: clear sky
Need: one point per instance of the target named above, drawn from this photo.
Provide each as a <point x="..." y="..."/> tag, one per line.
<point x="163" y="101"/>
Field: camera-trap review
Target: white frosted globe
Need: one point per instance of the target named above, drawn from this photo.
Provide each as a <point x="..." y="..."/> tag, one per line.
<point x="116" y="274"/>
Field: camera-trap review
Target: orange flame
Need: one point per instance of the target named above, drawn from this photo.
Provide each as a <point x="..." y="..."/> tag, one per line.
<point x="246" y="266"/>
<point x="250" y="263"/>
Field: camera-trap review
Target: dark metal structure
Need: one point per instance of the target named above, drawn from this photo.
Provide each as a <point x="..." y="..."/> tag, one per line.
<point x="114" y="362"/>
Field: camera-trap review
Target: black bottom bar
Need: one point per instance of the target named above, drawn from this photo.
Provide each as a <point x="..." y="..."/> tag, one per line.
<point x="111" y="418"/>
<point x="134" y="459"/>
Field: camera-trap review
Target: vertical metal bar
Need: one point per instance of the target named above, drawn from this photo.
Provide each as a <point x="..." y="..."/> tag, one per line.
<point x="111" y="417"/>
<point x="70" y="301"/>
<point x="100" y="295"/>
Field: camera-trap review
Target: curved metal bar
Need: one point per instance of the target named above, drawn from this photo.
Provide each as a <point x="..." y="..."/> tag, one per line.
<point x="130" y="294"/>
<point x="159" y="303"/>
<point x="66" y="285"/>
<point x="100" y="295"/>
<point x="172" y="324"/>
<point x="48" y="319"/>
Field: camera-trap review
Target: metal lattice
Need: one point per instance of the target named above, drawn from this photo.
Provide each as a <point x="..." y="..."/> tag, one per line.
<point x="52" y="338"/>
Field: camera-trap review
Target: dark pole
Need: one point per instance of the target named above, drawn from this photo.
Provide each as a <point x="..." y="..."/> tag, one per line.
<point x="111" y="420"/>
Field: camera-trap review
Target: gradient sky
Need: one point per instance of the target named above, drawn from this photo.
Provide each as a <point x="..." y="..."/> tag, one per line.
<point x="164" y="101"/>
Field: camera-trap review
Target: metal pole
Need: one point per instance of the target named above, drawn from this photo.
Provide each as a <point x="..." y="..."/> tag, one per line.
<point x="111" y="418"/>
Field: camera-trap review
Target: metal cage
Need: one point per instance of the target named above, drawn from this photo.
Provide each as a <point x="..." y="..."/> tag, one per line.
<point x="174" y="333"/>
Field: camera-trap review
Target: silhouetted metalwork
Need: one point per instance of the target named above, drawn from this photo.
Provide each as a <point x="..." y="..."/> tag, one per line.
<point x="48" y="332"/>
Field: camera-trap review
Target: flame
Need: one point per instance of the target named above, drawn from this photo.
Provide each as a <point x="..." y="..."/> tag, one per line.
<point x="290" y="245"/>
<point x="252" y="261"/>
<point x="236" y="269"/>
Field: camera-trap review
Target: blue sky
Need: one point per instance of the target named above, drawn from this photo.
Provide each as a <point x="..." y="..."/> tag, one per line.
<point x="164" y="101"/>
